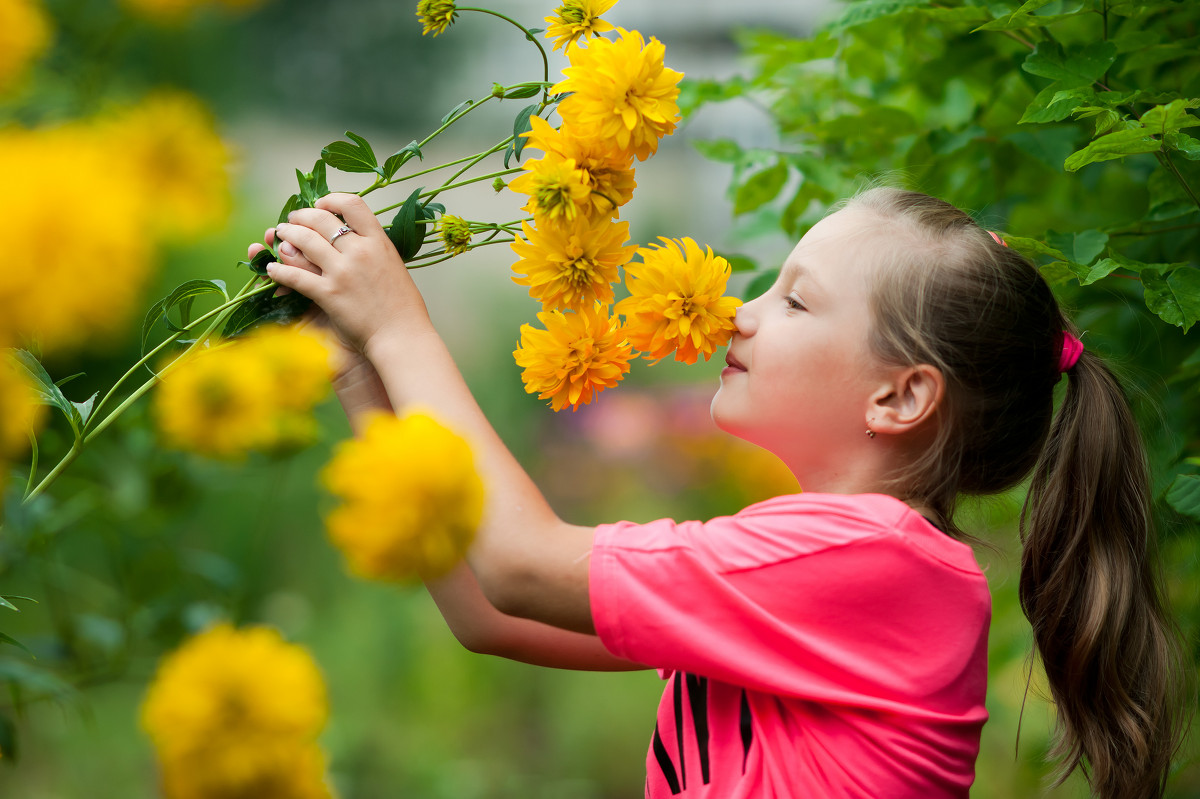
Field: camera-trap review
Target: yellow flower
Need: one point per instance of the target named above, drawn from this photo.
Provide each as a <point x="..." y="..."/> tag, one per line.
<point x="253" y="394"/>
<point x="75" y="274"/>
<point x="677" y="301"/>
<point x="621" y="92"/>
<point x="455" y="233"/>
<point x="436" y="16"/>
<point x="411" y="498"/>
<point x="557" y="188"/>
<point x="571" y="265"/>
<point x="21" y="411"/>
<point x="170" y="150"/>
<point x="576" y="18"/>
<point x="576" y="357"/>
<point x="607" y="172"/>
<point x="234" y="712"/>
<point x="24" y="35"/>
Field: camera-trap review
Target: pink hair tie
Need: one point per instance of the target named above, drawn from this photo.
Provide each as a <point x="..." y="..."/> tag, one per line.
<point x="999" y="240"/>
<point x="1072" y="348"/>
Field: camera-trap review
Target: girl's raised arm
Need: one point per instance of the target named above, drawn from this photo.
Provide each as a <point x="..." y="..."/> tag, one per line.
<point x="528" y="562"/>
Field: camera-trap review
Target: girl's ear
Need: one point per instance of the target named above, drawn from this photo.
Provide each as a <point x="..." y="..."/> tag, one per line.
<point x="911" y="397"/>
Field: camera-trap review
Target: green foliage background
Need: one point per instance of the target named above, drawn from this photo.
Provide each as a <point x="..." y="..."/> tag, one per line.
<point x="1064" y="125"/>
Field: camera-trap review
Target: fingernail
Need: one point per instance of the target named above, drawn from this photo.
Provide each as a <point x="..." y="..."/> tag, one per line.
<point x="288" y="249"/>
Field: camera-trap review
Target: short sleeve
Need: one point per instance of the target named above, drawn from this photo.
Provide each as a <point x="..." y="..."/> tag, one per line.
<point x="811" y="598"/>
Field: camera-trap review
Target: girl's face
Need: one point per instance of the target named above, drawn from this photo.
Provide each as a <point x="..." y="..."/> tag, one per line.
<point x="800" y="369"/>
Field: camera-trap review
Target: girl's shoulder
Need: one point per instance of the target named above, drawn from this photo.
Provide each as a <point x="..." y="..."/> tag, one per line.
<point x="835" y="520"/>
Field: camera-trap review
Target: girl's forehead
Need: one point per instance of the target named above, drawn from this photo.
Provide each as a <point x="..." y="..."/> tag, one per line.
<point x="847" y="244"/>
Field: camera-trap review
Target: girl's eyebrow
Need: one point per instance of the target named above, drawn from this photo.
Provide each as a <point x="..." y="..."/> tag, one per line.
<point x="794" y="272"/>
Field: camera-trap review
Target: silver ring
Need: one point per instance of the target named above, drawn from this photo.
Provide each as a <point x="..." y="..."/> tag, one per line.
<point x="342" y="231"/>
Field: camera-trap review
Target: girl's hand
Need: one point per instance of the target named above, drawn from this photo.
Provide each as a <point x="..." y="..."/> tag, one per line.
<point x="357" y="278"/>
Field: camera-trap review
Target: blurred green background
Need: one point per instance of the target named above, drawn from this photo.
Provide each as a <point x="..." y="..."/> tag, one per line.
<point x="139" y="546"/>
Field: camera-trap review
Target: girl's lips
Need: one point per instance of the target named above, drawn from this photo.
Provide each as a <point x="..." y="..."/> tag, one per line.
<point x="733" y="362"/>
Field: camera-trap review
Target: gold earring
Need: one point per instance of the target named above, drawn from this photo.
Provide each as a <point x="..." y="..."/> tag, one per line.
<point x="870" y="432"/>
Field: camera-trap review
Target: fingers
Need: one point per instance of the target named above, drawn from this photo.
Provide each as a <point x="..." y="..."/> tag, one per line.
<point x="293" y="277"/>
<point x="354" y="210"/>
<point x="309" y="242"/>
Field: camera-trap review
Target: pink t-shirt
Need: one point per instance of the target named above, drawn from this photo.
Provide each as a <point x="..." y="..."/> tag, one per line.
<point x="815" y="645"/>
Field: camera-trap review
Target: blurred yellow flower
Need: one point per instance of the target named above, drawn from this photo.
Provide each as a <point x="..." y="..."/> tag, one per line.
<point x="255" y="394"/>
<point x="436" y="16"/>
<point x="21" y="411"/>
<point x="677" y="301"/>
<point x="576" y="357"/>
<point x="572" y="265"/>
<point x="576" y="18"/>
<point x="75" y="273"/>
<point x="621" y="92"/>
<point x="175" y="11"/>
<point x="607" y="172"/>
<point x="557" y="188"/>
<point x="169" y="149"/>
<point x="236" y="713"/>
<point x="411" y="500"/>
<point x="24" y="35"/>
<point x="455" y="233"/>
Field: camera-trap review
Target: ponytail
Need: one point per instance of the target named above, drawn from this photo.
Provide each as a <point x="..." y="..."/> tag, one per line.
<point x="1090" y="587"/>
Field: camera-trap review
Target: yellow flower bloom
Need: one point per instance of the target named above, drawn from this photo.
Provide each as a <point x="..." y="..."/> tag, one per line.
<point x="253" y="394"/>
<point x="21" y="412"/>
<point x="436" y="16"/>
<point x="607" y="172"/>
<point x="621" y="92"/>
<point x="455" y="233"/>
<point x="234" y="712"/>
<point x="24" y="35"/>
<point x="576" y="18"/>
<point x="677" y="301"/>
<point x="572" y="265"/>
<point x="75" y="274"/>
<point x="576" y="357"/>
<point x="557" y="188"/>
<point x="411" y="498"/>
<point x="170" y="150"/>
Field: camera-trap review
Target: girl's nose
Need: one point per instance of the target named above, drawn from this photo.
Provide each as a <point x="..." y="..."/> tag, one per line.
<point x="745" y="320"/>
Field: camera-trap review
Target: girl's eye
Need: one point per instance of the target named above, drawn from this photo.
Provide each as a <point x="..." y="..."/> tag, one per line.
<point x="795" y="304"/>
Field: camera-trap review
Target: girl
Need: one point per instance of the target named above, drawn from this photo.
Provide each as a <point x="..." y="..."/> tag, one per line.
<point x="831" y="643"/>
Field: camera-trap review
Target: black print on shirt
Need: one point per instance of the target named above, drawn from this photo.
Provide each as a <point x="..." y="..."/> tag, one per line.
<point x="697" y="699"/>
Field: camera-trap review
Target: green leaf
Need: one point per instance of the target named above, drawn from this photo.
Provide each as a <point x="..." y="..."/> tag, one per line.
<point x="1112" y="146"/>
<point x="1174" y="296"/>
<point x="396" y="160"/>
<point x="48" y="393"/>
<point x="264" y="309"/>
<point x="1082" y="247"/>
<point x="1054" y="104"/>
<point x="520" y="126"/>
<point x="258" y="264"/>
<point x="85" y="408"/>
<point x="1184" y="495"/>
<point x="1184" y="144"/>
<point x="1163" y="119"/>
<point x="869" y="10"/>
<point x="407" y="232"/>
<point x="760" y="188"/>
<point x="465" y="104"/>
<point x="1031" y="248"/>
<point x="7" y="600"/>
<point x="1077" y="67"/>
<point x="348" y="157"/>
<point x="695" y="93"/>
<point x="1101" y="269"/>
<point x="4" y="603"/>
<point x="8" y="639"/>
<point x="294" y="203"/>
<point x="724" y="150"/>
<point x="1024" y="17"/>
<point x="181" y="296"/>
<point x="521" y="91"/>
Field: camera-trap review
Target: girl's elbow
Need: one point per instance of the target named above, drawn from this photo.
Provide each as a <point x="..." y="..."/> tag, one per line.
<point x="505" y="586"/>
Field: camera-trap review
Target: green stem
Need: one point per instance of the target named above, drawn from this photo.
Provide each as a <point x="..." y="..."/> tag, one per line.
<point x="446" y="257"/>
<point x="121" y="380"/>
<point x="33" y="447"/>
<point x="85" y="439"/>
<point x="450" y="181"/>
<point x="491" y="176"/>
<point x="1164" y="158"/>
<point x="528" y="35"/>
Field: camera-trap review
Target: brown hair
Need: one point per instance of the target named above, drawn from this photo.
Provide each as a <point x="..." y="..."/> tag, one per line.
<point x="950" y="296"/>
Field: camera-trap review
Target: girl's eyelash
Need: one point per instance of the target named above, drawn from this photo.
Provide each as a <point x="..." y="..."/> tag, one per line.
<point x="795" y="303"/>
